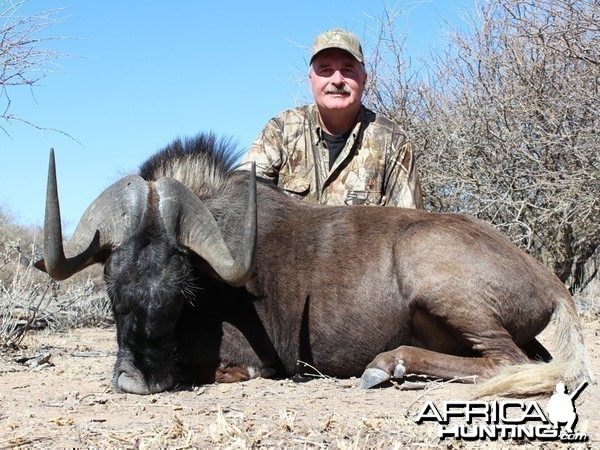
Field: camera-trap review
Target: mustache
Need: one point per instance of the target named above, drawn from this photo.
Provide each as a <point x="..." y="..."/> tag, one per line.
<point x="337" y="90"/>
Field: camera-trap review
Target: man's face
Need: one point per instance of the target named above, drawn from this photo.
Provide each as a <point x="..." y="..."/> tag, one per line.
<point x="337" y="80"/>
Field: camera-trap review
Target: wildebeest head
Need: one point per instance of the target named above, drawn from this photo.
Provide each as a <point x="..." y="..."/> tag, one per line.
<point x="145" y="233"/>
<point x="146" y="300"/>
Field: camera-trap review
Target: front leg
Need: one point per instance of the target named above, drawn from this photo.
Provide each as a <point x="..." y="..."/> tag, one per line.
<point x="235" y="374"/>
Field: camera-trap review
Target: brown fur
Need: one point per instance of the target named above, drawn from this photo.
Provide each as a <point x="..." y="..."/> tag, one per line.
<point x="444" y="294"/>
<point x="343" y="289"/>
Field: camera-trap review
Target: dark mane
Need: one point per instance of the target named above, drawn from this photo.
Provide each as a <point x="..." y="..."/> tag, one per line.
<point x="202" y="163"/>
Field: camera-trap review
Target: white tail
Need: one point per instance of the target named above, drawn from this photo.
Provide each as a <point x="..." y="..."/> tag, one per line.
<point x="569" y="365"/>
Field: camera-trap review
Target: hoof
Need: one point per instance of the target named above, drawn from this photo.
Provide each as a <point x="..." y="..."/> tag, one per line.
<point x="372" y="377"/>
<point x="399" y="371"/>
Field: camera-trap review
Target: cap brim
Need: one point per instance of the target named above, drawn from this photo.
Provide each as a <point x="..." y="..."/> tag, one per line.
<point x="337" y="47"/>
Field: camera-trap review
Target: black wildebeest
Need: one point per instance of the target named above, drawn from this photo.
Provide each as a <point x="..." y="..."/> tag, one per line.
<point x="214" y="276"/>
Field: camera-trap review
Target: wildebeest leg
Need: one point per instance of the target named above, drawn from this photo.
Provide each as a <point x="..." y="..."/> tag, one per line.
<point x="414" y="360"/>
<point x="536" y="351"/>
<point x="238" y="373"/>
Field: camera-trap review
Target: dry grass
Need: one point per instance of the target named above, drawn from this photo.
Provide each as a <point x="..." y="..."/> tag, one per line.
<point x="175" y="435"/>
<point x="588" y="301"/>
<point x="30" y="300"/>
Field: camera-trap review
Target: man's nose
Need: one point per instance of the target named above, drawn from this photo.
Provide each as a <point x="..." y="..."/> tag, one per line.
<point x="337" y="77"/>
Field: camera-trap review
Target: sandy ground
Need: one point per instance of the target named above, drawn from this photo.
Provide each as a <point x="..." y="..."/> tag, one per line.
<point x="67" y="402"/>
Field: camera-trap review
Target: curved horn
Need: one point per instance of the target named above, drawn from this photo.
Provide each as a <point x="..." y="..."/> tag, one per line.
<point x="111" y="217"/>
<point x="187" y="217"/>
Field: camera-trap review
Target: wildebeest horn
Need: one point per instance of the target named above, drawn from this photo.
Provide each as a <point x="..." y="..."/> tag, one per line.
<point x="105" y="224"/>
<point x="188" y="218"/>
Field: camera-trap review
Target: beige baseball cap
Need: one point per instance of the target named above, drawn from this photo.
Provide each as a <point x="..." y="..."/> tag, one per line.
<point x="338" y="38"/>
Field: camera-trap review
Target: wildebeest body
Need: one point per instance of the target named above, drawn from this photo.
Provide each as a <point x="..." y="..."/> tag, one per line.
<point x="354" y="289"/>
<point x="335" y="286"/>
<point x="339" y="288"/>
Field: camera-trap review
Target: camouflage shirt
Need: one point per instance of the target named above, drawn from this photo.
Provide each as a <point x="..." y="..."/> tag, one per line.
<point x="375" y="167"/>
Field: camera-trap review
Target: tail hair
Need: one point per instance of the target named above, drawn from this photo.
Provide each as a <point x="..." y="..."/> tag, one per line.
<point x="570" y="364"/>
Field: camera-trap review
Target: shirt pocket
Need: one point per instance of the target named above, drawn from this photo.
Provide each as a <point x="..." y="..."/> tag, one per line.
<point x="366" y="198"/>
<point x="294" y="186"/>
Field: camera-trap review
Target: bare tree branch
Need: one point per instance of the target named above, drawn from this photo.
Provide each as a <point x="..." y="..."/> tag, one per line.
<point x="24" y="57"/>
<point x="506" y="123"/>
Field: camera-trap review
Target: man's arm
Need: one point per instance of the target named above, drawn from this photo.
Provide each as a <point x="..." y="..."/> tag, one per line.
<point x="267" y="152"/>
<point x="402" y="187"/>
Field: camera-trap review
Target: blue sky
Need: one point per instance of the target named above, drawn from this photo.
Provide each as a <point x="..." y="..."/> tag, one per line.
<point x="139" y="76"/>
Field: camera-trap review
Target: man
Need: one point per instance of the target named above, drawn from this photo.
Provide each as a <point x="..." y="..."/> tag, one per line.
<point x="336" y="151"/>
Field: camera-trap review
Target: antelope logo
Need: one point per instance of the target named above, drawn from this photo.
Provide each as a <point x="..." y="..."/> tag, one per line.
<point x="561" y="409"/>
